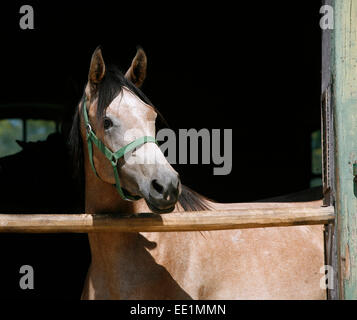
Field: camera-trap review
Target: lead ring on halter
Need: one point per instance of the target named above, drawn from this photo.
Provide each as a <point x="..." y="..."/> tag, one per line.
<point x="113" y="157"/>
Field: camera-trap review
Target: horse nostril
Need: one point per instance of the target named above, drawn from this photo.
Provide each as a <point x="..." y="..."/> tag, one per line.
<point x="157" y="186"/>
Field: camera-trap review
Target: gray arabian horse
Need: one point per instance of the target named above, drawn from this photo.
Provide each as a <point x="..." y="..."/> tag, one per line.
<point x="270" y="263"/>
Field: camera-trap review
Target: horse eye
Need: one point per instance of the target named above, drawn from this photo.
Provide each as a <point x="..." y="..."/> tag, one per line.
<point x="107" y="123"/>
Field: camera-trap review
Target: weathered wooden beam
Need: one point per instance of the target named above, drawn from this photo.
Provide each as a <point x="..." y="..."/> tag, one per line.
<point x="344" y="92"/>
<point x="185" y="221"/>
<point x="328" y="151"/>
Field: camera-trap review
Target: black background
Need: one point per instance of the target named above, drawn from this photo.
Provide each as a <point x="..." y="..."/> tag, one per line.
<point x="253" y="67"/>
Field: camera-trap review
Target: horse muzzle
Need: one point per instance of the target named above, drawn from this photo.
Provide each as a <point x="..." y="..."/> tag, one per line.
<point x="164" y="193"/>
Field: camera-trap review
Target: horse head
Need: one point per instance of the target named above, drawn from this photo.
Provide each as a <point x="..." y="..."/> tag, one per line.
<point x="118" y="123"/>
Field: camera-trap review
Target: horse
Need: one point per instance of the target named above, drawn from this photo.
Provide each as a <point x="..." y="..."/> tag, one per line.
<point x="39" y="179"/>
<point x="41" y="176"/>
<point x="266" y="263"/>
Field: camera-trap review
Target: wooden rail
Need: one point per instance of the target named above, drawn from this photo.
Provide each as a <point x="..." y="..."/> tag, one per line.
<point x="185" y="221"/>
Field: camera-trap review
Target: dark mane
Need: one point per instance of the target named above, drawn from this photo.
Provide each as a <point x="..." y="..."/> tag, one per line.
<point x="109" y="88"/>
<point x="192" y="201"/>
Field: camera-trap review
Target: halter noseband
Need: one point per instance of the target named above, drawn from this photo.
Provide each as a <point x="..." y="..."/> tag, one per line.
<point x="113" y="157"/>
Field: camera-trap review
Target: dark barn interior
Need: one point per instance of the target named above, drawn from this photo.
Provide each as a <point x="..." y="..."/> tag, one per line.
<point x="253" y="69"/>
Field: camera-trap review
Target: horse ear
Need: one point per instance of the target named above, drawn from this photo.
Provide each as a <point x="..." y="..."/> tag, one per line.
<point x="97" y="67"/>
<point x="137" y="71"/>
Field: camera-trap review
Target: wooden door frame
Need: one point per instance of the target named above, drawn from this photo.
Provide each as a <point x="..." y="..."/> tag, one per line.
<point x="339" y="124"/>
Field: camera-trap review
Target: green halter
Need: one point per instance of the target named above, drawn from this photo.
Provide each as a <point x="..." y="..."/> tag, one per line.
<point x="113" y="157"/>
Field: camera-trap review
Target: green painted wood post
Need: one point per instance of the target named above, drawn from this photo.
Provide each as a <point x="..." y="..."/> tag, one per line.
<point x="344" y="79"/>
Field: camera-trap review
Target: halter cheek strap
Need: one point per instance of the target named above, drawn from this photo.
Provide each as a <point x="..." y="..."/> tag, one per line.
<point x="113" y="157"/>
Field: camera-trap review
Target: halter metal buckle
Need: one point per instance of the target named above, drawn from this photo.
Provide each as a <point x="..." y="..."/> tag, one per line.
<point x="114" y="161"/>
<point x="88" y="129"/>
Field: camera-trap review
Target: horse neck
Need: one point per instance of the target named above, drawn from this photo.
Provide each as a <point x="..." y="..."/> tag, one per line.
<point x="110" y="251"/>
<point x="100" y="196"/>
